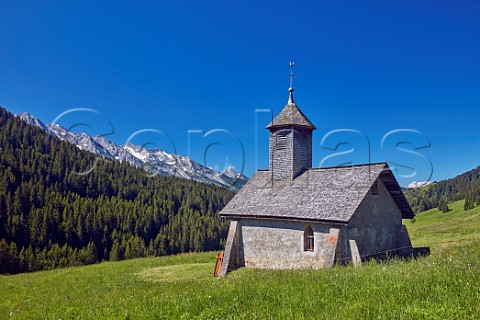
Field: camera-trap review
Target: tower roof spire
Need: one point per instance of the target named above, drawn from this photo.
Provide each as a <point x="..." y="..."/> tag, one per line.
<point x="290" y="97"/>
<point x="291" y="114"/>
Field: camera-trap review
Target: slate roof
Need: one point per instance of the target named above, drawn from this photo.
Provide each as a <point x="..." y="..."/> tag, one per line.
<point x="323" y="194"/>
<point x="291" y="115"/>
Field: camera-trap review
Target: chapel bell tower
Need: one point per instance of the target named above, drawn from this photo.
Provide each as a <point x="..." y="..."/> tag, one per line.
<point x="290" y="140"/>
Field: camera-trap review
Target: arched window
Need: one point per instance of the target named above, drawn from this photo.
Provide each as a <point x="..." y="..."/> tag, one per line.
<point x="308" y="239"/>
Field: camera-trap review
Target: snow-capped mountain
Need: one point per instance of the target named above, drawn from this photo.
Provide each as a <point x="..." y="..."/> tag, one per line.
<point x="154" y="161"/>
<point x="418" y="184"/>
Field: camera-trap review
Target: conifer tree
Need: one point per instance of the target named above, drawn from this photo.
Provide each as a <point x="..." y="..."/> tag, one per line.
<point x="443" y="204"/>
<point x="469" y="202"/>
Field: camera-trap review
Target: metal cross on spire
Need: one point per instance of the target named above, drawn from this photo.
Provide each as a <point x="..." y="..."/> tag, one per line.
<point x="290" y="98"/>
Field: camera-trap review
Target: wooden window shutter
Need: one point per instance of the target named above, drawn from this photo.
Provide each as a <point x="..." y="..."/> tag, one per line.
<point x="281" y="141"/>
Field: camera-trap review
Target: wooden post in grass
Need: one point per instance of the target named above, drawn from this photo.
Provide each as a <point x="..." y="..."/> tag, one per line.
<point x="218" y="264"/>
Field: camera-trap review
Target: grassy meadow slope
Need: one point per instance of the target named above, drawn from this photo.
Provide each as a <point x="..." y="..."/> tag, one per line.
<point x="445" y="285"/>
<point x="440" y="230"/>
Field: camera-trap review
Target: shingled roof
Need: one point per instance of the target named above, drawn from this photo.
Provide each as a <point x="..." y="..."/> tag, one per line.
<point x="291" y="115"/>
<point x="323" y="194"/>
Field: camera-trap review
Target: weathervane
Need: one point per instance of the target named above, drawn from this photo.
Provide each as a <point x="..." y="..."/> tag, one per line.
<point x="290" y="98"/>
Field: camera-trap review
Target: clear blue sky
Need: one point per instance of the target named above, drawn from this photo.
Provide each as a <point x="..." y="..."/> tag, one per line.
<point x="175" y="66"/>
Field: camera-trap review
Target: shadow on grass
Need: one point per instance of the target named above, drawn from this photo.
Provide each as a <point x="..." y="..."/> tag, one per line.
<point x="405" y="254"/>
<point x="420" y="252"/>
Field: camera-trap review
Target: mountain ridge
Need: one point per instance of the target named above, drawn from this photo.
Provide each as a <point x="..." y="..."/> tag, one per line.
<point x="154" y="161"/>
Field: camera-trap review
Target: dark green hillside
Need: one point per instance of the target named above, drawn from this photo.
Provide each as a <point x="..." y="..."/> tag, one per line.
<point x="51" y="217"/>
<point x="464" y="186"/>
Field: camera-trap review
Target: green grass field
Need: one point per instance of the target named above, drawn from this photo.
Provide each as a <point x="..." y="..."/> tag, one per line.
<point x="440" y="230"/>
<point x="445" y="285"/>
